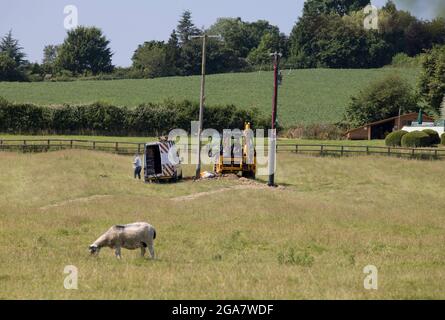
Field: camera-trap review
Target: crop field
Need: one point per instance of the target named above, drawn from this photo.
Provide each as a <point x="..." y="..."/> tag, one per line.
<point x="227" y="238"/>
<point x="306" y="96"/>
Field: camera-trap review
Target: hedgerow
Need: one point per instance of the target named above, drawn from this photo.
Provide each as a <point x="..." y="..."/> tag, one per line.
<point x="151" y="119"/>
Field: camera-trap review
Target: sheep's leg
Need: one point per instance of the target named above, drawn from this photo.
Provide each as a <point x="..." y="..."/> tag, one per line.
<point x="118" y="252"/>
<point x="142" y="251"/>
<point x="152" y="250"/>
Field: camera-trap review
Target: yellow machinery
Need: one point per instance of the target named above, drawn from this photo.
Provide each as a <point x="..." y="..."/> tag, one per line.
<point x="237" y="154"/>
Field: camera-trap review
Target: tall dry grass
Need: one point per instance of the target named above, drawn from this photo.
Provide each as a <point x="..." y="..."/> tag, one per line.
<point x="310" y="239"/>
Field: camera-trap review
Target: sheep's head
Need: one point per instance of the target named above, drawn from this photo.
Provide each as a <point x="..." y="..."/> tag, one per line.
<point x="94" y="249"/>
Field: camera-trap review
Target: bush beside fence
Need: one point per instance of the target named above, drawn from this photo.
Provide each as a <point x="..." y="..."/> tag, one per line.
<point x="152" y="119"/>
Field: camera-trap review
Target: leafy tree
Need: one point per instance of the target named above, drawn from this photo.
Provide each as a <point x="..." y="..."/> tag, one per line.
<point x="405" y="33"/>
<point x="432" y="79"/>
<point x="219" y="58"/>
<point x="173" y="54"/>
<point x="270" y="42"/>
<point x="336" y="42"/>
<point x="381" y="100"/>
<point x="186" y="28"/>
<point x="8" y="69"/>
<point x="437" y="30"/>
<point x="340" y="7"/>
<point x="11" y="47"/>
<point x="151" y="59"/>
<point x="330" y="34"/>
<point x="442" y="109"/>
<point x="257" y="30"/>
<point x="50" y="53"/>
<point x="235" y="35"/>
<point x="242" y="38"/>
<point x="84" y="50"/>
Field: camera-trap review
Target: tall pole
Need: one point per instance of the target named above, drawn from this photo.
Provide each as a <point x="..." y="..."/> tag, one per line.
<point x="201" y="103"/>
<point x="202" y="98"/>
<point x="272" y="145"/>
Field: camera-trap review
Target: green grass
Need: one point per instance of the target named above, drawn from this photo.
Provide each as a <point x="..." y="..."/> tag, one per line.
<point x="308" y="240"/>
<point x="148" y="139"/>
<point x="306" y="96"/>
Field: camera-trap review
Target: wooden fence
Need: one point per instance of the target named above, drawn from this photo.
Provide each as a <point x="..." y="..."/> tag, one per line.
<point x="125" y="148"/>
<point x="343" y="150"/>
<point x="44" y="145"/>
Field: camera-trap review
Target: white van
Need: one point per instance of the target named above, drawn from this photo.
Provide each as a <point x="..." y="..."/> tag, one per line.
<point x="158" y="166"/>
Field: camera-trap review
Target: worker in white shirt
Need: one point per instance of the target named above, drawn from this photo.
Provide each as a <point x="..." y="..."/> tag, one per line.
<point x="137" y="164"/>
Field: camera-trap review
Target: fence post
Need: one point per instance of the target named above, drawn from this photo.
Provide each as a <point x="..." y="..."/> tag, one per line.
<point x="367" y="150"/>
<point x="296" y="148"/>
<point x="139" y="148"/>
<point x="412" y="152"/>
<point x="94" y="145"/>
<point x="321" y="150"/>
<point x="342" y="150"/>
<point x="389" y="151"/>
<point x="71" y="144"/>
<point x="117" y="146"/>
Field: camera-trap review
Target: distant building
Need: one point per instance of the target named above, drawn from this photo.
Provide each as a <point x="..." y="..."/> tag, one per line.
<point x="415" y="126"/>
<point x="380" y="129"/>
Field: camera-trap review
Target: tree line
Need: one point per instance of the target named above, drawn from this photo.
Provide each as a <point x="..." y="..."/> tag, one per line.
<point x="330" y="33"/>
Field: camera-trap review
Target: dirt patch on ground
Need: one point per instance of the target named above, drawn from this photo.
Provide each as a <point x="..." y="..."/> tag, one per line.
<point x="77" y="200"/>
<point x="243" y="184"/>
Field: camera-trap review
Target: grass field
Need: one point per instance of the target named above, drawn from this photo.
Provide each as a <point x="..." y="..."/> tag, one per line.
<point x="306" y="96"/>
<point x="219" y="239"/>
<point x="148" y="139"/>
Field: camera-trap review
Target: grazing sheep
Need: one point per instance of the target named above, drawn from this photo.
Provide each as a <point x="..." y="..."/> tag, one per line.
<point x="129" y="236"/>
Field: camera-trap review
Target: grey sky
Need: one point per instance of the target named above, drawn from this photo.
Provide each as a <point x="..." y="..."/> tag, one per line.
<point x="127" y="24"/>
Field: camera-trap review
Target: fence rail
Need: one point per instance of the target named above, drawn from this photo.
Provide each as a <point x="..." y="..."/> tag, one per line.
<point x="343" y="150"/>
<point x="125" y="148"/>
<point x="44" y="145"/>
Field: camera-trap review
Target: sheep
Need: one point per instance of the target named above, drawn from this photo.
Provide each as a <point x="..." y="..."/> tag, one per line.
<point x="129" y="236"/>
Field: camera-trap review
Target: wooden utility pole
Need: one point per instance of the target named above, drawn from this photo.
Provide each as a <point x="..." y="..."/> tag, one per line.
<point x="273" y="141"/>
<point x="399" y="119"/>
<point x="202" y="98"/>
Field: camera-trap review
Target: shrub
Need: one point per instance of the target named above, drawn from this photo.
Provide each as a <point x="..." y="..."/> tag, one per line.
<point x="416" y="139"/>
<point x="434" y="136"/>
<point x="402" y="60"/>
<point x="153" y="119"/>
<point x="443" y="139"/>
<point x="394" y="139"/>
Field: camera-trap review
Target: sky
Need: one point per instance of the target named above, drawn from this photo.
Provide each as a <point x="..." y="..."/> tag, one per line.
<point x="129" y="23"/>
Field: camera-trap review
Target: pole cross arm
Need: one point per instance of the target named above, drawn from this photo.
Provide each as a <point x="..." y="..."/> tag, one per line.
<point x="279" y="54"/>
<point x="207" y="36"/>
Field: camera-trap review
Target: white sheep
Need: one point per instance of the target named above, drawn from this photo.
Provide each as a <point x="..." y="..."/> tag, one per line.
<point x="129" y="236"/>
